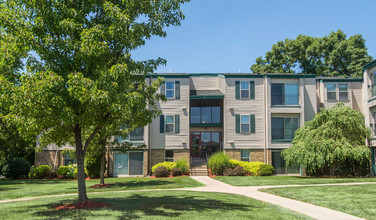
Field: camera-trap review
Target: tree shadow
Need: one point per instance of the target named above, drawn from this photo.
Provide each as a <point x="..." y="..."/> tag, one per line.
<point x="31" y="181"/>
<point x="7" y="188"/>
<point x="139" y="206"/>
<point x="139" y="184"/>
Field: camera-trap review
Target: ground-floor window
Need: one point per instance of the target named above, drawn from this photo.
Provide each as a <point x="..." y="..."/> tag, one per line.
<point x="68" y="160"/>
<point x="130" y="163"/>
<point x="169" y="155"/>
<point x="244" y="155"/>
<point x="279" y="164"/>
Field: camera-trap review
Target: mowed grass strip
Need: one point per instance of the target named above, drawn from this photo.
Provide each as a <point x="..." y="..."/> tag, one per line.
<point x="14" y="189"/>
<point x="285" y="180"/>
<point x="357" y="200"/>
<point x="152" y="205"/>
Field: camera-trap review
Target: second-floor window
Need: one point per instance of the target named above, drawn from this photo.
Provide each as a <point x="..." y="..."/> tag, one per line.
<point x="137" y="134"/>
<point x="343" y="92"/>
<point x="169" y="123"/>
<point x="284" y="94"/>
<point x="204" y="115"/>
<point x="244" y="123"/>
<point x="283" y="128"/>
<point x="331" y="91"/>
<point x="244" y="90"/>
<point x="170" y="90"/>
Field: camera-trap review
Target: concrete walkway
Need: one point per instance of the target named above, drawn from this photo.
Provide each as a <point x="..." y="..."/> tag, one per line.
<point x="313" y="211"/>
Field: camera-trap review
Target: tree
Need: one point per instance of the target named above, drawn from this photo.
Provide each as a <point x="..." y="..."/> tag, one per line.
<point x="331" y="55"/>
<point x="335" y="138"/>
<point x="81" y="76"/>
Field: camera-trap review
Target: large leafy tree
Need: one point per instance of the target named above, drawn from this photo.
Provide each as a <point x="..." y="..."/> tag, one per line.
<point x="335" y="138"/>
<point x="332" y="55"/>
<point x="80" y="73"/>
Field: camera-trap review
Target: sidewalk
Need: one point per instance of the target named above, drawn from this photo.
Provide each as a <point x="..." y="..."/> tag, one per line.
<point x="313" y="211"/>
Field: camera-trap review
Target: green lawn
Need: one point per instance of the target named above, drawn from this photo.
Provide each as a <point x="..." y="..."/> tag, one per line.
<point x="285" y="180"/>
<point x="358" y="200"/>
<point x="152" y="205"/>
<point x="12" y="189"/>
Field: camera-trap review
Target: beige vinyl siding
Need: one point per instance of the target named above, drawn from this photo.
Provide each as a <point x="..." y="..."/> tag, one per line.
<point x="203" y="83"/>
<point x="356" y="96"/>
<point x="246" y="107"/>
<point x="173" y="107"/>
<point x="310" y="98"/>
<point x="327" y="103"/>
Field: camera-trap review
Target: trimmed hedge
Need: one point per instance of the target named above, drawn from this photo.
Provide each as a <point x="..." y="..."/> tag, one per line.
<point x="16" y="168"/>
<point x="176" y="172"/>
<point x="218" y="162"/>
<point x="183" y="165"/>
<point x="168" y="165"/>
<point x="40" y="172"/>
<point x="253" y="168"/>
<point x="161" y="172"/>
<point x="62" y="171"/>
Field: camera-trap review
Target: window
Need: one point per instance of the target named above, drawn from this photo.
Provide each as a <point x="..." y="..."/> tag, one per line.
<point x="331" y="91"/>
<point x="169" y="123"/>
<point x="169" y="155"/>
<point x="343" y="93"/>
<point x="68" y="159"/>
<point x="244" y="89"/>
<point x="137" y="134"/>
<point x="244" y="155"/>
<point x="283" y="128"/>
<point x="244" y="123"/>
<point x="170" y="90"/>
<point x="284" y="94"/>
<point x="202" y="115"/>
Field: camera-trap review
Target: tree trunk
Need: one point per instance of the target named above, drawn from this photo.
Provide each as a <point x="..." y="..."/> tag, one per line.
<point x="332" y="170"/>
<point x="80" y="156"/>
<point x="103" y="160"/>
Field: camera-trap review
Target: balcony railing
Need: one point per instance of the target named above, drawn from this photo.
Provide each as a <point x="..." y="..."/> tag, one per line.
<point x="284" y="99"/>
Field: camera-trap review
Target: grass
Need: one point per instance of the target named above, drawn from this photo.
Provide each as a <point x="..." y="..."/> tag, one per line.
<point x="13" y="189"/>
<point x="356" y="200"/>
<point x="285" y="180"/>
<point x="152" y="205"/>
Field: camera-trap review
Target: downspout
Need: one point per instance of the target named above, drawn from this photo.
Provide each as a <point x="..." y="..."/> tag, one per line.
<point x="149" y="137"/>
<point x="266" y="117"/>
<point x="55" y="157"/>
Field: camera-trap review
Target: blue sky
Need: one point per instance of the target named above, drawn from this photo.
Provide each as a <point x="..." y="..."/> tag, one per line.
<point x="221" y="36"/>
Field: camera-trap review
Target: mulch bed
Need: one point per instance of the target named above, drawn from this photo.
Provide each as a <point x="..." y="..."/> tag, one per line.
<point x="82" y="205"/>
<point x="101" y="185"/>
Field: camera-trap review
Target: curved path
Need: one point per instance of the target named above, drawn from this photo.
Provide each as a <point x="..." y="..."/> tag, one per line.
<point x="213" y="185"/>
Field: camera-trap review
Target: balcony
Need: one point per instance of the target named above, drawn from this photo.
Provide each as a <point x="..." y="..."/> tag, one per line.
<point x="206" y="113"/>
<point x="284" y="99"/>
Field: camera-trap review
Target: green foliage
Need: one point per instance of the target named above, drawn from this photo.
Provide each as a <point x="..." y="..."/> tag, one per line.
<point x="218" y="162"/>
<point x="70" y="173"/>
<point x="332" y="55"/>
<point x="161" y="172"/>
<point x="40" y="172"/>
<point x="183" y="165"/>
<point x="168" y="165"/>
<point x="335" y="136"/>
<point x="253" y="168"/>
<point x="63" y="171"/>
<point x="16" y="168"/>
<point x="265" y="170"/>
<point x="93" y="162"/>
<point x="176" y="172"/>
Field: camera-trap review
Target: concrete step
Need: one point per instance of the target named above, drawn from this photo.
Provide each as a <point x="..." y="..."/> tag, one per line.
<point x="199" y="172"/>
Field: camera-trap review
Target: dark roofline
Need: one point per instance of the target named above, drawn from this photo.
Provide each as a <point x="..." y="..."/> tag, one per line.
<point x="232" y="75"/>
<point x="339" y="79"/>
<point x="369" y="65"/>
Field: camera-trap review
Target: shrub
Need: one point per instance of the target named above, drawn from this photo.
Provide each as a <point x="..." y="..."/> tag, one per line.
<point x="235" y="163"/>
<point x="176" y="172"/>
<point x="16" y="168"/>
<point x="228" y="172"/>
<point x="168" y="165"/>
<point x="183" y="165"/>
<point x="252" y="168"/>
<point x="75" y="172"/>
<point x="62" y="171"/>
<point x="94" y="168"/>
<point x="71" y="169"/>
<point x="41" y="171"/>
<point x="266" y="170"/>
<point x="238" y="171"/>
<point x="218" y="162"/>
<point x="161" y="172"/>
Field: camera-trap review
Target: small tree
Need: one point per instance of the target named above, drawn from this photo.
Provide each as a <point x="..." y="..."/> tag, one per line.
<point x="335" y="136"/>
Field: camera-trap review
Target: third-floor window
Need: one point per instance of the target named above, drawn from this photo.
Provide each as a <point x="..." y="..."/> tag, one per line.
<point x="284" y="94"/>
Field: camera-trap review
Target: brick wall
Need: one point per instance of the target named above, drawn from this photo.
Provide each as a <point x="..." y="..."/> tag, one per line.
<point x="257" y="156"/>
<point x="233" y="154"/>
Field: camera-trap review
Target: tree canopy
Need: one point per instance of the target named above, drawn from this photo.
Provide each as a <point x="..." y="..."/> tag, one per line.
<point x="80" y="74"/>
<point x="335" y="138"/>
<point x="332" y="55"/>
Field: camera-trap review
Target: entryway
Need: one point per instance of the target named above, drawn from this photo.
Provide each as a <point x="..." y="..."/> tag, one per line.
<point x="128" y="164"/>
<point x="205" y="143"/>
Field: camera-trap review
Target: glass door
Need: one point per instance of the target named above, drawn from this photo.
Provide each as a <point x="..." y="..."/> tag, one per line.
<point x="195" y="145"/>
<point x="120" y="164"/>
<point x="136" y="163"/>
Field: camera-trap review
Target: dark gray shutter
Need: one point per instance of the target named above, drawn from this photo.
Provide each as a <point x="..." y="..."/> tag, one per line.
<point x="161" y="124"/>
<point x="237" y="123"/>
<point x="253" y="124"/>
<point x="237" y="89"/>
<point x="252" y="89"/>
<point x="163" y="88"/>
<point x="177" y="123"/>
<point x="177" y="89"/>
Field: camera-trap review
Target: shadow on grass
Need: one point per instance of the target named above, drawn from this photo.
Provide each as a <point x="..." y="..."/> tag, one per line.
<point x="7" y="188"/>
<point x="139" y="206"/>
<point x="31" y="181"/>
<point x="139" y="184"/>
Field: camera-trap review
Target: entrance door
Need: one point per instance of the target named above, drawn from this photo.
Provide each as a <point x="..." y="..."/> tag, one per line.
<point x="120" y="164"/>
<point x="195" y="145"/>
<point x="136" y="163"/>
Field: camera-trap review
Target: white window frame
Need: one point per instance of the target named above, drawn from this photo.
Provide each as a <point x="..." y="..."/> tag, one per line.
<point x="173" y="123"/>
<point x="247" y="159"/>
<point x="173" y="90"/>
<point x="347" y="91"/>
<point x="169" y="159"/>
<point x="249" y="90"/>
<point x="335" y="91"/>
<point x="249" y="124"/>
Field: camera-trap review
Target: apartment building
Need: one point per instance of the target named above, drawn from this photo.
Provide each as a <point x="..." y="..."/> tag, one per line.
<point x="250" y="117"/>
